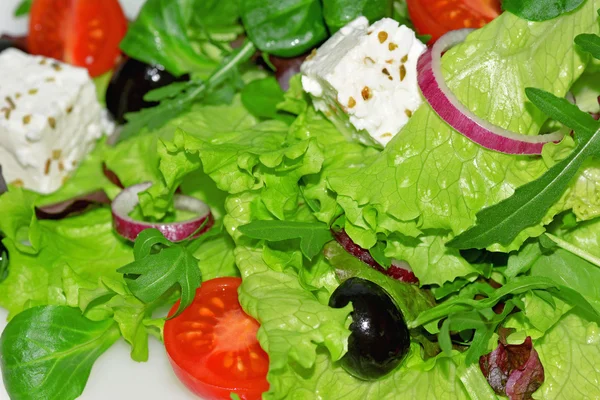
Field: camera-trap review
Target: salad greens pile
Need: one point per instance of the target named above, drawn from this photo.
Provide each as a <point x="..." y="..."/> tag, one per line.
<point x="505" y="247"/>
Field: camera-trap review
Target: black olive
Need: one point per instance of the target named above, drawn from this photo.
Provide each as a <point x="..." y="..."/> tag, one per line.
<point x="130" y="83"/>
<point x="3" y="261"/>
<point x="7" y="42"/>
<point x="380" y="338"/>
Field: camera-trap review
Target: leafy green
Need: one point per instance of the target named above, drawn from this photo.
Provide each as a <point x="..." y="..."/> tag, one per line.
<point x="575" y="250"/>
<point x="458" y="304"/>
<point x="86" y="243"/>
<point x="430" y="181"/>
<point x="23" y="8"/>
<point x="540" y="10"/>
<point x="409" y="298"/>
<point x="261" y="97"/>
<point x="285" y="28"/>
<point x="503" y="222"/>
<point x="153" y="274"/>
<point x="159" y="35"/>
<point x="569" y="354"/>
<point x="179" y="102"/>
<point x="572" y="272"/>
<point x="48" y="352"/>
<point x="590" y="43"/>
<point x="338" y="13"/>
<point x="586" y="90"/>
<point x="312" y="235"/>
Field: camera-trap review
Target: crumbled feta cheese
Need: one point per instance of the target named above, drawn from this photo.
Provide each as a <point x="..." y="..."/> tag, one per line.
<point x="50" y="119"/>
<point x="364" y="79"/>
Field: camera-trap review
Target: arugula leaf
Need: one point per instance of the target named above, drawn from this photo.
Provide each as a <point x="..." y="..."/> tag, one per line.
<point x="180" y="98"/>
<point x="23" y="8"/>
<point x="459" y="304"/>
<point x="48" y="352"/>
<point x="157" y="273"/>
<point x="484" y="326"/>
<point x="502" y="222"/>
<point x="590" y="43"/>
<point x="312" y="235"/>
<point x="540" y="10"/>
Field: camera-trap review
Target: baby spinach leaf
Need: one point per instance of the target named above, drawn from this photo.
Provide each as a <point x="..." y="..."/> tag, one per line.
<point x="338" y="13"/>
<point x="47" y="352"/>
<point x="590" y="43"/>
<point x="23" y="8"/>
<point x="540" y="10"/>
<point x="312" y="235"/>
<point x="502" y="222"/>
<point x="261" y="97"/>
<point x="159" y="36"/>
<point x="285" y="28"/>
<point x="152" y="275"/>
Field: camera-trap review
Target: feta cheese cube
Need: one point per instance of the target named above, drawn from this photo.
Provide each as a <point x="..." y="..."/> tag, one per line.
<point x="364" y="79"/>
<point x="50" y="119"/>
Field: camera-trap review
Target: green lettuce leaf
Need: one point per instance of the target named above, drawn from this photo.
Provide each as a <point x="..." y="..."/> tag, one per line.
<point x="570" y="353"/>
<point x="432" y="179"/>
<point x="586" y="236"/>
<point x="437" y="378"/>
<point x="86" y="243"/>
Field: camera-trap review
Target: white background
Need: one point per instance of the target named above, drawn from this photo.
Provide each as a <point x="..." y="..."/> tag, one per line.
<point x="114" y="376"/>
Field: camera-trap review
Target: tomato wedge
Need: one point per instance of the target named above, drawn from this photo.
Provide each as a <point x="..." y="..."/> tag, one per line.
<point x="86" y="33"/>
<point x="212" y="345"/>
<point x="436" y="17"/>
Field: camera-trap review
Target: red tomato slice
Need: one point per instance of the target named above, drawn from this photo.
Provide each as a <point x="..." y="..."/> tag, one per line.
<point x="436" y="17"/>
<point x="86" y="33"/>
<point x="212" y="345"/>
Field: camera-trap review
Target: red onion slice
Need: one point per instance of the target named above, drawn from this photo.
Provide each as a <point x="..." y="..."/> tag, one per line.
<point x="450" y="109"/>
<point x="129" y="228"/>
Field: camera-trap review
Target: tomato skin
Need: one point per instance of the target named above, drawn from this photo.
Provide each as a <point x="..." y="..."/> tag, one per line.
<point x="85" y="33"/>
<point x="212" y="345"/>
<point x="437" y="17"/>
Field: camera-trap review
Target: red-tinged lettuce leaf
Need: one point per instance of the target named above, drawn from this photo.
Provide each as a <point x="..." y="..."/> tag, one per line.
<point x="73" y="206"/>
<point x="513" y="370"/>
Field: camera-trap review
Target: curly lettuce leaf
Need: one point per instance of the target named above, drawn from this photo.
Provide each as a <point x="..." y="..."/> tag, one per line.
<point x="433" y="179"/>
<point x="437" y="378"/>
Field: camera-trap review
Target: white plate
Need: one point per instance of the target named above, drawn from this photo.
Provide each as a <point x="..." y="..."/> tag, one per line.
<point x="114" y="376"/>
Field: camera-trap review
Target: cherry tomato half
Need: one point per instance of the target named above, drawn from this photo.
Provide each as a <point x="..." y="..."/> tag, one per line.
<point x="212" y="345"/>
<point x="436" y="17"/>
<point x="86" y="33"/>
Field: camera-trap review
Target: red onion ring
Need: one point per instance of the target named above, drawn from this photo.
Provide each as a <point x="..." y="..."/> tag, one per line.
<point x="451" y="110"/>
<point x="129" y="228"/>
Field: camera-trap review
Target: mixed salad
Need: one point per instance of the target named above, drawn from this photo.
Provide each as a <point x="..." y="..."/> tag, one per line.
<point x="337" y="199"/>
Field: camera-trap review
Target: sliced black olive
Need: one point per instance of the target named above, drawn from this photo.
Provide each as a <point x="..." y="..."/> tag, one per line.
<point x="130" y="83"/>
<point x="380" y="338"/>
